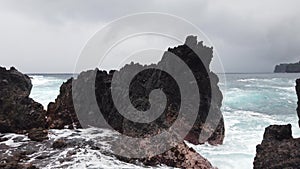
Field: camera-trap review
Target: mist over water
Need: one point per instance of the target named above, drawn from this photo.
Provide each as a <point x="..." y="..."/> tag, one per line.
<point x="251" y="103"/>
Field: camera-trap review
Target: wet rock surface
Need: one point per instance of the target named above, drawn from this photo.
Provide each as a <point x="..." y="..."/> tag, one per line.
<point x="87" y="148"/>
<point x="180" y="156"/>
<point x="39" y="134"/>
<point x="61" y="113"/>
<point x="18" y="112"/>
<point x="53" y="152"/>
<point x="278" y="149"/>
<point x="58" y="144"/>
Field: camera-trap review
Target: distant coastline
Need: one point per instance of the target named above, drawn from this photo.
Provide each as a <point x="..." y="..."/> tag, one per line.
<point x="287" y="68"/>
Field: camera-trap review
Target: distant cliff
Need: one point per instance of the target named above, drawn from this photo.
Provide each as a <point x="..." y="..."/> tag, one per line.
<point x="288" y="68"/>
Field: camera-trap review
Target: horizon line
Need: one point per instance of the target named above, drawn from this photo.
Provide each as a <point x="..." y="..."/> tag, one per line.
<point x="72" y="73"/>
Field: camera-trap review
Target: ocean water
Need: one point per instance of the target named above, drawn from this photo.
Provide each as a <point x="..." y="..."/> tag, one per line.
<point x="46" y="87"/>
<point x="251" y="103"/>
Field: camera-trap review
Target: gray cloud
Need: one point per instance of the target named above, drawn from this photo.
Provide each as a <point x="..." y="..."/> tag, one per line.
<point x="47" y="36"/>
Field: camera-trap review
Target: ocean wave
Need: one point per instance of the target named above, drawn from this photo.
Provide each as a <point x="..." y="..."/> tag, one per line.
<point x="44" y="81"/>
<point x="250" y="104"/>
<point x="85" y="156"/>
<point x="247" y="80"/>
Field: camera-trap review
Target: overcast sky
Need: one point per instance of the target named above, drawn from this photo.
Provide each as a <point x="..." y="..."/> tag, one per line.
<point x="47" y="36"/>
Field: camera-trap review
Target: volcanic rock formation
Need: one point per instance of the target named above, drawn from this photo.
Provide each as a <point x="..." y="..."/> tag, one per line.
<point x="89" y="97"/>
<point x="18" y="112"/>
<point x="61" y="114"/>
<point x="278" y="149"/>
<point x="96" y="98"/>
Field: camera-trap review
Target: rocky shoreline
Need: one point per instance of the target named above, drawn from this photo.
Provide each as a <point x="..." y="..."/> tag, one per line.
<point x="38" y="145"/>
<point x="278" y="148"/>
<point x="31" y="137"/>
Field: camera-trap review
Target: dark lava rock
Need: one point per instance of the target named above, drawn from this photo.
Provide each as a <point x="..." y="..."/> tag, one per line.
<point x="72" y="150"/>
<point x="278" y="149"/>
<point x="61" y="114"/>
<point x="15" y="161"/>
<point x="87" y="101"/>
<point x="298" y="95"/>
<point x="18" y="112"/>
<point x="16" y="165"/>
<point x="39" y="134"/>
<point x="278" y="132"/>
<point x="59" y="144"/>
<point x="90" y="93"/>
<point x="180" y="156"/>
<point x="3" y="139"/>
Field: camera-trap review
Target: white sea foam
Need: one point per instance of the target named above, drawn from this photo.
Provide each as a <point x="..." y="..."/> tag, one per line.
<point x="252" y="102"/>
<point x="247" y="80"/>
<point x="12" y="140"/>
<point x="46" y="88"/>
<point x="86" y="158"/>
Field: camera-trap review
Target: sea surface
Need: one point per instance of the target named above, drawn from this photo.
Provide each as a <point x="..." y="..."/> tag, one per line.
<point x="251" y="103"/>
